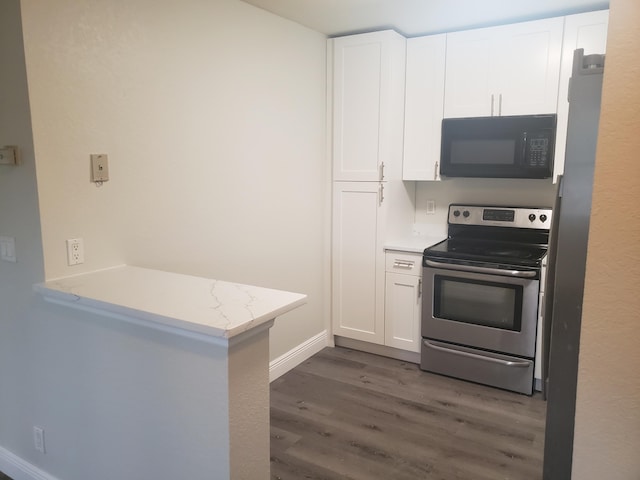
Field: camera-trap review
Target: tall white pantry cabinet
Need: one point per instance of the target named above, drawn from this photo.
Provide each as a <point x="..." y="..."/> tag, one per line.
<point x="370" y="200"/>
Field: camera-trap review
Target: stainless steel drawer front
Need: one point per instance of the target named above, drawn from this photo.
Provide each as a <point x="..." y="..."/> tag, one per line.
<point x="497" y="370"/>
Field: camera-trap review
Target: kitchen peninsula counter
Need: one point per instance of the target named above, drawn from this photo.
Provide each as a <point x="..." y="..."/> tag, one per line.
<point x="186" y="305"/>
<point x="177" y="363"/>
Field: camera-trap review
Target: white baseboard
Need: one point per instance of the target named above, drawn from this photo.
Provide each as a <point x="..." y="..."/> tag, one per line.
<point x="297" y="355"/>
<point x="18" y="469"/>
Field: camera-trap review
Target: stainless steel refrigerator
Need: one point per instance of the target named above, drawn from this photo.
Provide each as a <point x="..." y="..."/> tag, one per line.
<point x="566" y="265"/>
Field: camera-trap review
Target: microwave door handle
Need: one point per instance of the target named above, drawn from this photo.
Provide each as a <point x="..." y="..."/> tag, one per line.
<point x="475" y="269"/>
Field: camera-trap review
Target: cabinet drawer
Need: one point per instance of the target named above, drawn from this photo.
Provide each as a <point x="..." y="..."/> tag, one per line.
<point x="402" y="262"/>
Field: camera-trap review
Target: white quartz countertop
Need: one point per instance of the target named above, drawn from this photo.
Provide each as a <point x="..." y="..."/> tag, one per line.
<point x="194" y="304"/>
<point x="413" y="244"/>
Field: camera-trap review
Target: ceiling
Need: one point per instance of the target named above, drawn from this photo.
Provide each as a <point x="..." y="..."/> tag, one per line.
<point x="418" y="17"/>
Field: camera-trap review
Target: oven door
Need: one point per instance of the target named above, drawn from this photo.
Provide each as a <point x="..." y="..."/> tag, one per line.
<point x="481" y="310"/>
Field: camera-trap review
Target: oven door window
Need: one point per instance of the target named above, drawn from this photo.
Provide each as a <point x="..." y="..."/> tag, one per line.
<point x="490" y="304"/>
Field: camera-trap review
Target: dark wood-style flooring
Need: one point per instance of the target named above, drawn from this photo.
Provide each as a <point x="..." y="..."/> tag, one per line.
<point x="345" y="414"/>
<point x="349" y="415"/>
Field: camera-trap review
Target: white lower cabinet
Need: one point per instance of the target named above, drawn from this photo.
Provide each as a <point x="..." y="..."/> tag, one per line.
<point x="358" y="260"/>
<point x="403" y="298"/>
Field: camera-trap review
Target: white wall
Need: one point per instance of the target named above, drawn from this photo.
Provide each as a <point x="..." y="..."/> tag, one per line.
<point x="19" y="218"/>
<point x="213" y="117"/>
<point x="607" y="428"/>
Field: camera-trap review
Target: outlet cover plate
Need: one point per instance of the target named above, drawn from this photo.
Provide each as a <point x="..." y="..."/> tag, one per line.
<point x="75" y="251"/>
<point x="99" y="167"/>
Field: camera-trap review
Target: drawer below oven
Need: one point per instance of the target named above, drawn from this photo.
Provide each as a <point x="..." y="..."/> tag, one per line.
<point x="497" y="370"/>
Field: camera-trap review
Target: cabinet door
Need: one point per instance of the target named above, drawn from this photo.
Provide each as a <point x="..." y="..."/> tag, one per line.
<point x="368" y="102"/>
<point x="402" y="311"/>
<point x="506" y="70"/>
<point x="587" y="31"/>
<point x="526" y="80"/>
<point x="358" y="261"/>
<point x="469" y="63"/>
<point x="424" y="104"/>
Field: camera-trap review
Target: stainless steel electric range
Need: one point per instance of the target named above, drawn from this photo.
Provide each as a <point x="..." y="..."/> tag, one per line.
<point x="480" y="302"/>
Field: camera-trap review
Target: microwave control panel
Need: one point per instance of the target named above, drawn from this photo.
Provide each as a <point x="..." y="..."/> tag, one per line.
<point x="538" y="149"/>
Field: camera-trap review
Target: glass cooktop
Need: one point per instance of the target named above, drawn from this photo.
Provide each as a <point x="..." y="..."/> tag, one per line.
<point x="505" y="253"/>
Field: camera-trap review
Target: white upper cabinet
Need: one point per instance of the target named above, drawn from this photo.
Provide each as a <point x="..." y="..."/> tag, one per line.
<point x="589" y="32"/>
<point x="424" y="103"/>
<point x="368" y="106"/>
<point x="507" y="70"/>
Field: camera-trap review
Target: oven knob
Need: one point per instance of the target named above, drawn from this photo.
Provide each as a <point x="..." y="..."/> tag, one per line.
<point x="465" y="214"/>
<point x="532" y="217"/>
<point x="456" y="213"/>
<point x="543" y="218"/>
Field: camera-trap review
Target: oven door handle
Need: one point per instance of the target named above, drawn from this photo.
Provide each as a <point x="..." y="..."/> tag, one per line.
<point x="489" y="270"/>
<point x="506" y="363"/>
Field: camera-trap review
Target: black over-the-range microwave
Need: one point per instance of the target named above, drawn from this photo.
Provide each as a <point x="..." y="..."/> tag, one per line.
<point x="519" y="146"/>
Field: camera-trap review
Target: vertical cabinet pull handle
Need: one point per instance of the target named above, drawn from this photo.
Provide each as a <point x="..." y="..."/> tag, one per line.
<point x="381" y="190"/>
<point x="435" y="171"/>
<point x="419" y="288"/>
<point x="382" y="171"/>
<point x="492" y="104"/>
<point x="500" y="105"/>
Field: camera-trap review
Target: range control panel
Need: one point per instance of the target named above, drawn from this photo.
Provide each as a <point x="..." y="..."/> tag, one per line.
<point x="516" y="217"/>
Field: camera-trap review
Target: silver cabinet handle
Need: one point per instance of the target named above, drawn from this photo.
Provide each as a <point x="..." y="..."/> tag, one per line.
<point x="381" y="171"/>
<point x="475" y="356"/>
<point x="435" y="171"/>
<point x="381" y="190"/>
<point x="402" y="264"/>
<point x="492" y="104"/>
<point x="500" y="105"/>
<point x="489" y="270"/>
<point x="419" y="288"/>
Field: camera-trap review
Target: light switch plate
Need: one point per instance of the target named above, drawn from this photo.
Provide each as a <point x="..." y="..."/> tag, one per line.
<point x="99" y="167"/>
<point x="8" y="156"/>
<point x="8" y="249"/>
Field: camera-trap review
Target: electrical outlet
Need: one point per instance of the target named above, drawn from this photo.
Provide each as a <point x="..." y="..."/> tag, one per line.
<point x="38" y="439"/>
<point x="431" y="207"/>
<point x="75" y="251"/>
